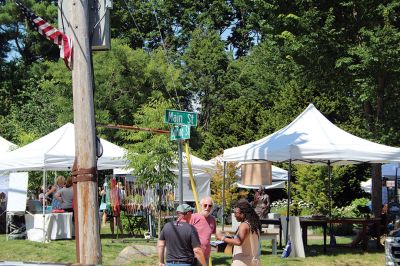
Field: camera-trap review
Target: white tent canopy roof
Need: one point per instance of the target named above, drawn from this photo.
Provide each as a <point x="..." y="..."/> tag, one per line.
<point x="312" y="138"/>
<point x="6" y="146"/>
<point x="202" y="173"/>
<point x="199" y="166"/>
<point x="56" y="151"/>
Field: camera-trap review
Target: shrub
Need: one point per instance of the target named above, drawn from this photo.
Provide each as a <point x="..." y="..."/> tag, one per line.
<point x="297" y="208"/>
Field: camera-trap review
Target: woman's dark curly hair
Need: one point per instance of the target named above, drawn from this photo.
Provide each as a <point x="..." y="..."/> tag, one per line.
<point x="250" y="215"/>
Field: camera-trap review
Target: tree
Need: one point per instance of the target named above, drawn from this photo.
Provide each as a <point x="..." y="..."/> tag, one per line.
<point x="151" y="156"/>
<point x="231" y="193"/>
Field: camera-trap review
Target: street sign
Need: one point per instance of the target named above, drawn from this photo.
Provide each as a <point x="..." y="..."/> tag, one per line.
<point x="180" y="132"/>
<point x="180" y="117"/>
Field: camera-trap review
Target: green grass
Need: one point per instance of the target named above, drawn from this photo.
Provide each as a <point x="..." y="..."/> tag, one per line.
<point x="63" y="251"/>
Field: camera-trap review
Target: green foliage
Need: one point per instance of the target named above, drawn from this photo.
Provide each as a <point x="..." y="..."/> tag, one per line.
<point x="296" y="208"/>
<point x="311" y="186"/>
<point x="151" y="155"/>
<point x="231" y="192"/>
<point x="352" y="210"/>
<point x="135" y="224"/>
<point x="343" y="56"/>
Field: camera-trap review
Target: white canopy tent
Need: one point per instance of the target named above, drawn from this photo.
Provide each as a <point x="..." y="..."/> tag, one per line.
<point x="389" y="170"/>
<point x="312" y="139"/>
<point x="7" y="204"/>
<point x="6" y="146"/>
<point x="56" y="151"/>
<point x="202" y="173"/>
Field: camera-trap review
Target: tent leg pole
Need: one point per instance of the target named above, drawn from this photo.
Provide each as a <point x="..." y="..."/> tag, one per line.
<point x="329" y="189"/>
<point x="223" y="197"/>
<point x="44" y="209"/>
<point x="288" y="204"/>
<point x="396" y="187"/>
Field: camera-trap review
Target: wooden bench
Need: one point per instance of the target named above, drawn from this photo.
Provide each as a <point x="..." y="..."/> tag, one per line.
<point x="270" y="236"/>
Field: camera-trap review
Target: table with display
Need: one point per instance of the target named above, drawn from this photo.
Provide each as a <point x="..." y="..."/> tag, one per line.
<point x="364" y="222"/>
<point x="56" y="226"/>
<point x="323" y="222"/>
<point x="274" y="222"/>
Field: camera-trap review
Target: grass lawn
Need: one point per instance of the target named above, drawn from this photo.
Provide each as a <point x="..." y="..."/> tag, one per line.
<point x="63" y="251"/>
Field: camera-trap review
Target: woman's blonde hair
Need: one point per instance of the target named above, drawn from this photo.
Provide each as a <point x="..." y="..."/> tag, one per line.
<point x="68" y="183"/>
<point x="60" y="179"/>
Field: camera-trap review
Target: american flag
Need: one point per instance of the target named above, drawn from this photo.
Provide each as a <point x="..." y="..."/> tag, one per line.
<point x="51" y="33"/>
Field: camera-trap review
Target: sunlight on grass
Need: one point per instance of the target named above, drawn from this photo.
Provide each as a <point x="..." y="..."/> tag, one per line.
<point x="63" y="251"/>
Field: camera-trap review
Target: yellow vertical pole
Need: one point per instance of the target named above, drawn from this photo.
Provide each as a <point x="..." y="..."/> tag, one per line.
<point x="192" y="183"/>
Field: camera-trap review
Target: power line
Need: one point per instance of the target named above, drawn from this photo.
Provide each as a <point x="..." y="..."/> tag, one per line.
<point x="164" y="49"/>
<point x="166" y="56"/>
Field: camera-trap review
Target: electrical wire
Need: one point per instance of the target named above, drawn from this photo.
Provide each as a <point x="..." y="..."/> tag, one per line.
<point x="148" y="52"/>
<point x="166" y="57"/>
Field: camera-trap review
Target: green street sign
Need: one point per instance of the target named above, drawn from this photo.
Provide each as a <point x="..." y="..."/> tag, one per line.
<point x="180" y="132"/>
<point x="180" y="117"/>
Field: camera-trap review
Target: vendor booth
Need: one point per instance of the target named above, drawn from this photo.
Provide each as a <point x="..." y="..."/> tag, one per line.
<point x="5" y="147"/>
<point x="312" y="139"/>
<point x="202" y="173"/>
<point x="55" y="151"/>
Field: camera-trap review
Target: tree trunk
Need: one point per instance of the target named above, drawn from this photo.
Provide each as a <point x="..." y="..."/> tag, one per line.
<point x="376" y="195"/>
<point x="380" y="93"/>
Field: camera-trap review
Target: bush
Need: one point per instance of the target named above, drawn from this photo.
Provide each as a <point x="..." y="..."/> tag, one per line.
<point x="350" y="211"/>
<point x="137" y="224"/>
<point x="297" y="208"/>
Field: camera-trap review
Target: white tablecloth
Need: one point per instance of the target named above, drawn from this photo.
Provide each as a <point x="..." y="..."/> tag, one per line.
<point x="57" y="226"/>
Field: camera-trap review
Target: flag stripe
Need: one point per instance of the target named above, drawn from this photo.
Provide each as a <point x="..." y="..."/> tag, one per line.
<point x="49" y="32"/>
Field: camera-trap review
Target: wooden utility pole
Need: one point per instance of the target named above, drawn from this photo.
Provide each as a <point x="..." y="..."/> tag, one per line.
<point x="87" y="236"/>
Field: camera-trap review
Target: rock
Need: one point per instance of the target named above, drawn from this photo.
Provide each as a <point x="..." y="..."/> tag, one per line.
<point x="129" y="253"/>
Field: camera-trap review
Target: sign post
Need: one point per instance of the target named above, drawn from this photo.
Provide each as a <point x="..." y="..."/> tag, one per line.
<point x="182" y="122"/>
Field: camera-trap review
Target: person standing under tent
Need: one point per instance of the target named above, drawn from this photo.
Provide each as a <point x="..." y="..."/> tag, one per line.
<point x="59" y="184"/>
<point x="103" y="204"/>
<point x="246" y="241"/>
<point x="181" y="241"/>
<point x="261" y="203"/>
<point x="385" y="199"/>
<point x="121" y="192"/>
<point x="206" y="209"/>
<point x="42" y="197"/>
<point x="113" y="206"/>
<point x="66" y="195"/>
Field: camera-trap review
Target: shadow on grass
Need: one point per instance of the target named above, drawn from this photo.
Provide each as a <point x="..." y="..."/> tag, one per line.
<point x="221" y="260"/>
<point x="342" y="249"/>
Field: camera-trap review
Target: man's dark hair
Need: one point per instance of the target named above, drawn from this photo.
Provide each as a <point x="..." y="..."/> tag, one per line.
<point x="250" y="215"/>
